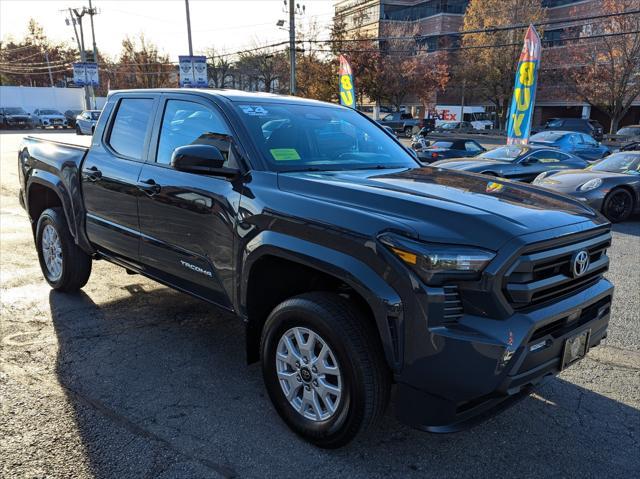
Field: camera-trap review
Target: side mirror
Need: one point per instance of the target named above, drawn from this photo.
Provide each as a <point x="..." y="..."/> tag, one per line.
<point x="201" y="159"/>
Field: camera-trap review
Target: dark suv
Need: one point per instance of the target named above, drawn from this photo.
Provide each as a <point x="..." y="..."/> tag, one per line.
<point x="583" y="125"/>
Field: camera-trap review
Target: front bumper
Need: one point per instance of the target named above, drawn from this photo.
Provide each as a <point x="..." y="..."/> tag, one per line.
<point x="480" y="366"/>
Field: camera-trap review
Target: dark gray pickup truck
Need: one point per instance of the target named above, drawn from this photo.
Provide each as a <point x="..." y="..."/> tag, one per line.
<point x="355" y="269"/>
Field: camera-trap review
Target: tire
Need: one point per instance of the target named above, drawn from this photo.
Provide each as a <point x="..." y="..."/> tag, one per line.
<point x="618" y="205"/>
<point x="74" y="264"/>
<point x="408" y="131"/>
<point x="364" y="378"/>
<point x="78" y="130"/>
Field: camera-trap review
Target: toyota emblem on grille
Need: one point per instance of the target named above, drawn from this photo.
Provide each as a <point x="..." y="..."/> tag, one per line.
<point x="580" y="263"/>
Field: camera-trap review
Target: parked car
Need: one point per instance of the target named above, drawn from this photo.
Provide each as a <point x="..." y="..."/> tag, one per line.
<point x="582" y="125"/>
<point x="15" y="117"/>
<point x="631" y="146"/>
<point x="522" y="163"/>
<point x="400" y="122"/>
<point x="351" y="266"/>
<point x="579" y="144"/>
<point x="47" y="117"/>
<point x="611" y="185"/>
<point x="454" y="148"/>
<point x="70" y="116"/>
<point x="455" y="127"/>
<point x="628" y="133"/>
<point x="86" y="122"/>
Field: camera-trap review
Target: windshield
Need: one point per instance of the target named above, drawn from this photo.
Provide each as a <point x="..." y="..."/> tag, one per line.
<point x="309" y="137"/>
<point x="619" y="163"/>
<point x="50" y="112"/>
<point x="15" y="111"/>
<point x="547" y="136"/>
<point x="504" y="153"/>
<point x="449" y="126"/>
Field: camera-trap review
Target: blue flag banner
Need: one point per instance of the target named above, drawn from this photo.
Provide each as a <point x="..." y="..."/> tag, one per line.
<point x="524" y="91"/>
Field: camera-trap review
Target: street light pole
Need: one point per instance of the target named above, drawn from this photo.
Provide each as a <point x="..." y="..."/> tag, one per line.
<point x="186" y="3"/>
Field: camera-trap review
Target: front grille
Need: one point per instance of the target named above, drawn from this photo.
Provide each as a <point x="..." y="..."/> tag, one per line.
<point x="543" y="273"/>
<point x="452" y="303"/>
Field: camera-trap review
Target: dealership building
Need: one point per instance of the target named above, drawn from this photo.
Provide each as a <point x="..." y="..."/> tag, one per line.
<point x="437" y="24"/>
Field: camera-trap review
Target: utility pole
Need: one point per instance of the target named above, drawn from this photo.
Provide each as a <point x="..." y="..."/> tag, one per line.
<point x="83" y="55"/>
<point x="186" y="3"/>
<point x="46" y="56"/>
<point x="92" y="11"/>
<point x="292" y="47"/>
<point x="293" y="10"/>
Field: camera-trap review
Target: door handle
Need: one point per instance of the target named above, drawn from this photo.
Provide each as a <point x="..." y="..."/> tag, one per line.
<point x="149" y="187"/>
<point x="92" y="174"/>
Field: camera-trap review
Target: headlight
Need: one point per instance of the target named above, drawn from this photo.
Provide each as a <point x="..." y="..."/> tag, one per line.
<point x="434" y="263"/>
<point x="591" y="184"/>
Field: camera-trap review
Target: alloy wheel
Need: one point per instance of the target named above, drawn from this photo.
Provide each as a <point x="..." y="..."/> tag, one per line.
<point x="52" y="252"/>
<point x="309" y="374"/>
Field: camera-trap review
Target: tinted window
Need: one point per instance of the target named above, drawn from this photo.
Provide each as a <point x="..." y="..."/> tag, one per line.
<point x="548" y="156"/>
<point x="130" y="127"/>
<point x="186" y="123"/>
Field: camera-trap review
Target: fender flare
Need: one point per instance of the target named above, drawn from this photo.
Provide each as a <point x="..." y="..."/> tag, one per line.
<point x="383" y="300"/>
<point x="57" y="185"/>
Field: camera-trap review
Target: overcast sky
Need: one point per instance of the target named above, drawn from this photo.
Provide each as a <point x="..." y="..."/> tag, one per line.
<point x="227" y="25"/>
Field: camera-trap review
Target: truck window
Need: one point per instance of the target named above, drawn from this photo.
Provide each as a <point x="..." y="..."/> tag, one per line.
<point x="130" y="127"/>
<point x="186" y="122"/>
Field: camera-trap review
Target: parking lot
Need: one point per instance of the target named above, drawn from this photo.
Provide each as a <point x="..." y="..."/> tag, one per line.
<point x="132" y="379"/>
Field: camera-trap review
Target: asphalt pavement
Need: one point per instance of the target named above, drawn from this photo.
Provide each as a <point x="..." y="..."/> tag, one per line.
<point x="131" y="379"/>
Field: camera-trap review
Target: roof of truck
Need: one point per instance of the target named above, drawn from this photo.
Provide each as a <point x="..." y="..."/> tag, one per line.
<point x="233" y="95"/>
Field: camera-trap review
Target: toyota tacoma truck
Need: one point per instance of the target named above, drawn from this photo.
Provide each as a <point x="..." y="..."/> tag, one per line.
<point x="355" y="269"/>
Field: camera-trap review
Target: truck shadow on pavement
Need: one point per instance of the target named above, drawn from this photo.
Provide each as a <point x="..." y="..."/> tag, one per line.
<point x="160" y="388"/>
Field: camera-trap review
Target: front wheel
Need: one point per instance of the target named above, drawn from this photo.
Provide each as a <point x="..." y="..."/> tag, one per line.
<point x="78" y="130"/>
<point x="64" y="265"/>
<point x="408" y="131"/>
<point x="324" y="368"/>
<point x="618" y="205"/>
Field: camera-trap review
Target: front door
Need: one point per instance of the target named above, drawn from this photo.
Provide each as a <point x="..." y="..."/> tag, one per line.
<point x="187" y="220"/>
<point x="110" y="176"/>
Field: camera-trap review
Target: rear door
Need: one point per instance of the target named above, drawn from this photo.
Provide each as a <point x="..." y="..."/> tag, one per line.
<point x="187" y="220"/>
<point x="110" y="175"/>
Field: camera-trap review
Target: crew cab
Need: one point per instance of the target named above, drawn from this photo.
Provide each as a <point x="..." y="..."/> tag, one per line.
<point x="354" y="268"/>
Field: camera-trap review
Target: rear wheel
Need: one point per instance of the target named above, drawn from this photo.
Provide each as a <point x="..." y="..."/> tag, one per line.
<point x="618" y="205"/>
<point x="324" y="368"/>
<point x="64" y="265"/>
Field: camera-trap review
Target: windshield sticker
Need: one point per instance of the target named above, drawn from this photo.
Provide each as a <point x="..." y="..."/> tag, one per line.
<point x="255" y="110"/>
<point x="285" y="154"/>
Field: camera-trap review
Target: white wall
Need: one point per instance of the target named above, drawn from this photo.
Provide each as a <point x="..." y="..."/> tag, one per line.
<point x="31" y="98"/>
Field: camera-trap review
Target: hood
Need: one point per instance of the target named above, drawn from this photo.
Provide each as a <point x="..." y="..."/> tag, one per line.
<point x="570" y="180"/>
<point x="442" y="206"/>
<point x="468" y="164"/>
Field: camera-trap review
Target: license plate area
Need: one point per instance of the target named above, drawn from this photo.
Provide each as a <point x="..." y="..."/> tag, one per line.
<point x="575" y="348"/>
